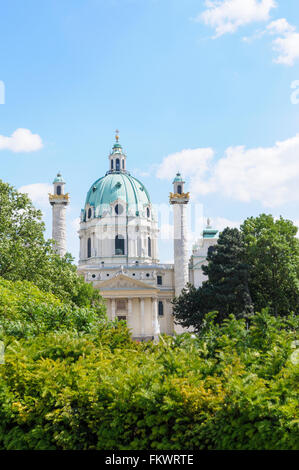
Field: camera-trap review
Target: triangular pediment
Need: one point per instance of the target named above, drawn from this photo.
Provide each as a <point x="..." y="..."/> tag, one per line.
<point x="121" y="281"/>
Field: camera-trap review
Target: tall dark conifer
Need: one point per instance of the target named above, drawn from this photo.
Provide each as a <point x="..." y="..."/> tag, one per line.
<point x="227" y="287"/>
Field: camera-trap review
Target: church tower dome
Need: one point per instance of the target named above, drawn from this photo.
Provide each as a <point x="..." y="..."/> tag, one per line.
<point x="118" y="224"/>
<point x="117" y="157"/>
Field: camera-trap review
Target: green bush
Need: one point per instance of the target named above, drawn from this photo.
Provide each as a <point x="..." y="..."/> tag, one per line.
<point x="27" y="311"/>
<point x="232" y="387"/>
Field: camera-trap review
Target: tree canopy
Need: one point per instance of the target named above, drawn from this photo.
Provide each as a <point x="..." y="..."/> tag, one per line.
<point x="272" y="252"/>
<point x="26" y="255"/>
<point x="248" y="270"/>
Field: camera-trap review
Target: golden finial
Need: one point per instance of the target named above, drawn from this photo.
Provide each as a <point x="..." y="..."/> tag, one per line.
<point x="116" y="135"/>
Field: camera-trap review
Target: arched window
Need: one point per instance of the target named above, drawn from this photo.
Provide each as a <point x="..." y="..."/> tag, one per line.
<point x="160" y="309"/>
<point x="111" y="164"/>
<point x="89" y="213"/>
<point x="89" y="248"/>
<point x="148" y="213"/>
<point x="58" y="190"/>
<point x="119" y="245"/>
<point x="149" y="247"/>
<point x="179" y="189"/>
<point x="117" y="164"/>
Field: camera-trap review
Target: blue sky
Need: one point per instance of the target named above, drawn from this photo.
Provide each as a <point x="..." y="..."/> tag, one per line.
<point x="203" y="87"/>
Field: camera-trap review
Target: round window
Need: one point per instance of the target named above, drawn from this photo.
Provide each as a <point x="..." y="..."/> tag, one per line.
<point x="119" y="209"/>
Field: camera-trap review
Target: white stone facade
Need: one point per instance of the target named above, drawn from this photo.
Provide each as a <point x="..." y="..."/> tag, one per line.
<point x="199" y="255"/>
<point x="119" y="248"/>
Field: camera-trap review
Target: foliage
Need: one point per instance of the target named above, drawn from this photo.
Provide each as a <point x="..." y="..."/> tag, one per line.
<point x="25" y="255"/>
<point x="188" y="309"/>
<point x="248" y="270"/>
<point x="22" y="245"/>
<point x="272" y="251"/>
<point x="231" y="387"/>
<point x="227" y="289"/>
<point x="26" y="311"/>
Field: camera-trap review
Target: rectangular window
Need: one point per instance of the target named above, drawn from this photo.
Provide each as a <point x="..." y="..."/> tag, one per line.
<point x="160" y="309"/>
<point x="159" y="280"/>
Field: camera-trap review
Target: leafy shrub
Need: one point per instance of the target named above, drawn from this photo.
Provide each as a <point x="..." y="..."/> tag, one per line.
<point x="232" y="387"/>
<point x="26" y="311"/>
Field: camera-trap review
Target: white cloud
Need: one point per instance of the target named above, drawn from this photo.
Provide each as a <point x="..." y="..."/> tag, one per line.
<point x="287" y="48"/>
<point x="188" y="162"/>
<point x="286" y="44"/>
<point x="220" y="223"/>
<point x="21" y="140"/>
<point x="38" y="193"/>
<point x="280" y="26"/>
<point x="227" y="16"/>
<point x="269" y="175"/>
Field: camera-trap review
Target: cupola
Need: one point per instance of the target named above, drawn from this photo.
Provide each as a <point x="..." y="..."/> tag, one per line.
<point x="117" y="158"/>
<point x="178" y="184"/>
<point x="209" y="231"/>
<point x="58" y="184"/>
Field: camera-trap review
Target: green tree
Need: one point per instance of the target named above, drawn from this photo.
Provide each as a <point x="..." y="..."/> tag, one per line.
<point x="187" y="308"/>
<point x="226" y="289"/>
<point x="272" y="251"/>
<point x="26" y="255"/>
<point x="22" y="244"/>
<point x="27" y="311"/>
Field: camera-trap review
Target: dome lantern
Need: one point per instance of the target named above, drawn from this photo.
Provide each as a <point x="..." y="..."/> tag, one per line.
<point x="178" y="184"/>
<point x="209" y="231"/>
<point x="117" y="158"/>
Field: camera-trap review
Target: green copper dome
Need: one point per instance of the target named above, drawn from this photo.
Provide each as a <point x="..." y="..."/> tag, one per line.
<point x="117" y="146"/>
<point x="209" y="232"/>
<point x="178" y="178"/>
<point x="58" y="179"/>
<point x="117" y="185"/>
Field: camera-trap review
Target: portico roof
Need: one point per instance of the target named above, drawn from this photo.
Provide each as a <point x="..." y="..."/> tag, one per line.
<point x="124" y="286"/>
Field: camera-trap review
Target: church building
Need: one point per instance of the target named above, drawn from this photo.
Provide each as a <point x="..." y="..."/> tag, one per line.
<point x="119" y="247"/>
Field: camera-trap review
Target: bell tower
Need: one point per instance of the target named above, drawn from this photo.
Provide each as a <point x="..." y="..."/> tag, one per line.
<point x="59" y="200"/>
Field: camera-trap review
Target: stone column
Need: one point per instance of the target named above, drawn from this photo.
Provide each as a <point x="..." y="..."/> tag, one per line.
<point x="180" y="247"/>
<point x="59" y="226"/>
<point x="129" y="317"/>
<point x="155" y="320"/>
<point x="59" y="201"/>
<point x="179" y="200"/>
<point x="113" y="309"/>
<point x="142" y="317"/>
